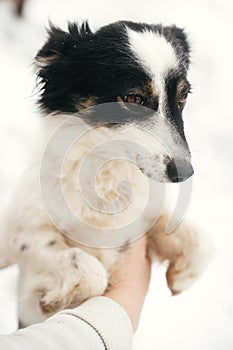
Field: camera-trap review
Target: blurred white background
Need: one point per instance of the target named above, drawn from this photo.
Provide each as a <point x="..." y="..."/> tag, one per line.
<point x="202" y="317"/>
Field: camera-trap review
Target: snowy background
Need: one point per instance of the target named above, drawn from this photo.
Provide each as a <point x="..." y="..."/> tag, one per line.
<point x="202" y="317"/>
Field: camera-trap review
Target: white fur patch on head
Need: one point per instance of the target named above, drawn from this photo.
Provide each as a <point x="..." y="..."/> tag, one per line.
<point x="156" y="56"/>
<point x="153" y="52"/>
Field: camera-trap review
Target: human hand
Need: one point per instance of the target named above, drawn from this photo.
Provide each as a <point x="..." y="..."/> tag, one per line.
<point x="132" y="280"/>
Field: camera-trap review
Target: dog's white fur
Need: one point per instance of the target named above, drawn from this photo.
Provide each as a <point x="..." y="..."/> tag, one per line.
<point x="157" y="61"/>
<point x="56" y="272"/>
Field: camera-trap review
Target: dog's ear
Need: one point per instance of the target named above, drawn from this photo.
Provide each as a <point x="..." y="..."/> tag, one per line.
<point x="60" y="43"/>
<point x="57" y="63"/>
<point x="179" y="41"/>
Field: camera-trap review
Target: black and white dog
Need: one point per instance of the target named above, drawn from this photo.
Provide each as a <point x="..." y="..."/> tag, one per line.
<point x="138" y="72"/>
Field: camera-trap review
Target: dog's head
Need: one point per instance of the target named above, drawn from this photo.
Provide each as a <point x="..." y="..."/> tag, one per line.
<point x="140" y="67"/>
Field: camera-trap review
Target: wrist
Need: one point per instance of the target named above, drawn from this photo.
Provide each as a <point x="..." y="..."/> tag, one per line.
<point x="130" y="300"/>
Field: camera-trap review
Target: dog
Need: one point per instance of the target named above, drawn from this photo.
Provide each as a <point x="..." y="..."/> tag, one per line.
<point x="123" y="86"/>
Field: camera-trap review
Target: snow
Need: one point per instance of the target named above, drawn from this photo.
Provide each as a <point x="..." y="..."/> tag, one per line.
<point x="202" y="317"/>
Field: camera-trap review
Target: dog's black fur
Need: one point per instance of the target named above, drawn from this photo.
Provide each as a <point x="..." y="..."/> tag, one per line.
<point x="83" y="65"/>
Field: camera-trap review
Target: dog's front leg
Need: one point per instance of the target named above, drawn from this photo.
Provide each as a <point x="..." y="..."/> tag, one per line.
<point x="187" y="249"/>
<point x="55" y="276"/>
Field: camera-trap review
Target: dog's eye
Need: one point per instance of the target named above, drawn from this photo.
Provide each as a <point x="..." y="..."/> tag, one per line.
<point x="182" y="99"/>
<point x="134" y="98"/>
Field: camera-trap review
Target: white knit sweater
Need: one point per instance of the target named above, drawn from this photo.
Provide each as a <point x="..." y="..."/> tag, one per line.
<point x="99" y="323"/>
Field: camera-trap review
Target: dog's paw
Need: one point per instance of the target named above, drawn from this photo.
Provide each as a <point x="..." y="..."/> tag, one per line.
<point x="189" y="264"/>
<point x="180" y="275"/>
<point x="77" y="277"/>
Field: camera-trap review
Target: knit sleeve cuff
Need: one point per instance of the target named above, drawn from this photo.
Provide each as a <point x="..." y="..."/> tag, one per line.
<point x="108" y="319"/>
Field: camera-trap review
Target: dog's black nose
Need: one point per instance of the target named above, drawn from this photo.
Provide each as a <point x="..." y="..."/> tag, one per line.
<point x="179" y="170"/>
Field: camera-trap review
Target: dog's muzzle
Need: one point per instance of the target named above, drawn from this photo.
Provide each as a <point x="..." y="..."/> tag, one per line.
<point x="179" y="170"/>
